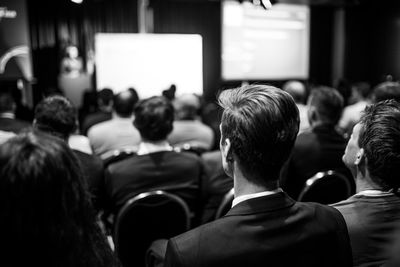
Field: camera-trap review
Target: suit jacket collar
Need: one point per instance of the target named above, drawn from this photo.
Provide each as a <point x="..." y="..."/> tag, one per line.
<point x="262" y="204"/>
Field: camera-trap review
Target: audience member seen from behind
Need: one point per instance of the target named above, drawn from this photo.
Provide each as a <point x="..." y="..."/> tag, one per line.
<point x="45" y="213"/>
<point x="373" y="156"/>
<point x="299" y="93"/>
<point x="321" y="147"/>
<point x="265" y="227"/>
<point x="104" y="113"/>
<point x="56" y="115"/>
<point x="386" y="90"/>
<point x="155" y="166"/>
<point x="188" y="129"/>
<point x="117" y="133"/>
<point x="352" y="113"/>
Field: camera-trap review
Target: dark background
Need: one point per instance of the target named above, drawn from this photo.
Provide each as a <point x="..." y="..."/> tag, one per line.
<point x="371" y="36"/>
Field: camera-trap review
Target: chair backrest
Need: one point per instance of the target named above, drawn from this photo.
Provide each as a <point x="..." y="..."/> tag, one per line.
<point x="187" y="147"/>
<point x="145" y="218"/>
<point x="326" y="187"/>
<point x="225" y="205"/>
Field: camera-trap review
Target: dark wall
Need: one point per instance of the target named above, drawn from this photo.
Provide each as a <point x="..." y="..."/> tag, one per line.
<point x="373" y="41"/>
<point x="195" y="17"/>
<point x="56" y="24"/>
<point x="321" y="44"/>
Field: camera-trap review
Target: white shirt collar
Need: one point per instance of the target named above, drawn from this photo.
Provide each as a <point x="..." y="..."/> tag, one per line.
<point x="147" y="148"/>
<point x="242" y="198"/>
<point x="374" y="193"/>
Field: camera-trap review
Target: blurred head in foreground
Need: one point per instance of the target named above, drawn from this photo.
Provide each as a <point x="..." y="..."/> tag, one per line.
<point x="45" y="207"/>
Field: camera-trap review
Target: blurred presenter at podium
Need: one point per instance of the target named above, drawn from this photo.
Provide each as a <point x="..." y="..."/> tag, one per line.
<point x="71" y="64"/>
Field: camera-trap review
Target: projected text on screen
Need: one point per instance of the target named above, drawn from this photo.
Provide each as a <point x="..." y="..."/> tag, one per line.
<point x="260" y="44"/>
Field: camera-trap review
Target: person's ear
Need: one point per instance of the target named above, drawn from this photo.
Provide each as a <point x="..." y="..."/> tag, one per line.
<point x="227" y="150"/>
<point x="359" y="157"/>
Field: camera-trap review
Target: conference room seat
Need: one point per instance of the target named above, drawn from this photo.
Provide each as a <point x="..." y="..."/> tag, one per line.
<point x="145" y="218"/>
<point x="326" y="187"/>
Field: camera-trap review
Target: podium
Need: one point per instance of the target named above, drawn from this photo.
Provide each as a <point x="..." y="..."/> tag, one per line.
<point x="74" y="87"/>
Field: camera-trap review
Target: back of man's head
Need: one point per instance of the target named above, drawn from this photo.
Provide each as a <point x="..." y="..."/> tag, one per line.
<point x="326" y="105"/>
<point x="387" y="90"/>
<point x="261" y="123"/>
<point x="380" y="138"/>
<point x="297" y="90"/>
<point x="56" y="115"/>
<point x="105" y="97"/>
<point x="153" y="118"/>
<point x="124" y="103"/>
<point x="186" y="107"/>
<point x="7" y="103"/>
<point x="363" y="89"/>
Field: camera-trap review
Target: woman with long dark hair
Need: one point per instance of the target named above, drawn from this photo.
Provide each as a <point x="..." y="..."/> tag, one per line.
<point x="46" y="218"/>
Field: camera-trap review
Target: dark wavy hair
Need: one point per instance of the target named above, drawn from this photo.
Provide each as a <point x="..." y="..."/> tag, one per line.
<point x="153" y="118"/>
<point x="380" y="139"/>
<point x="46" y="215"/>
<point x="56" y="115"/>
<point x="261" y="123"/>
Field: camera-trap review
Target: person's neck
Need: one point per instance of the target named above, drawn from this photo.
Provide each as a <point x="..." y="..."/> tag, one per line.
<point x="146" y="147"/>
<point x="365" y="183"/>
<point x="243" y="186"/>
<point x="318" y="123"/>
<point x="117" y="116"/>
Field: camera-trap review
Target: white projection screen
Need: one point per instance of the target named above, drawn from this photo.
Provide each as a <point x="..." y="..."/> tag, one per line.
<point x="150" y="63"/>
<point x="260" y="44"/>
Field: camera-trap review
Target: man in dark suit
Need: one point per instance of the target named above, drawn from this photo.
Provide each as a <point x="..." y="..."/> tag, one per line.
<point x="265" y="227"/>
<point x="372" y="154"/>
<point x="156" y="166"/>
<point x="320" y="148"/>
<point x="57" y="116"/>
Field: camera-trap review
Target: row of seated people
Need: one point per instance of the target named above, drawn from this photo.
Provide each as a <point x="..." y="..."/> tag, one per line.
<point x="188" y="126"/>
<point x="155" y="165"/>
<point x="259" y="128"/>
<point x="57" y="116"/>
<point x="319" y="148"/>
<point x="46" y="119"/>
<point x="116" y="131"/>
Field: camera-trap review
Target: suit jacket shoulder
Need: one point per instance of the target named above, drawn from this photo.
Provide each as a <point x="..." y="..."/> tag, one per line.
<point x="267" y="231"/>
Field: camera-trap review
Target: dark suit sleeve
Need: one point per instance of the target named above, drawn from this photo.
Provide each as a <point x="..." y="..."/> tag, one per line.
<point x="172" y="258"/>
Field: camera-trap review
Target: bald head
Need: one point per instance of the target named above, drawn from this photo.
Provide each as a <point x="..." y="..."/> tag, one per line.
<point x="124" y="103"/>
<point x="296" y="89"/>
<point x="186" y="107"/>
